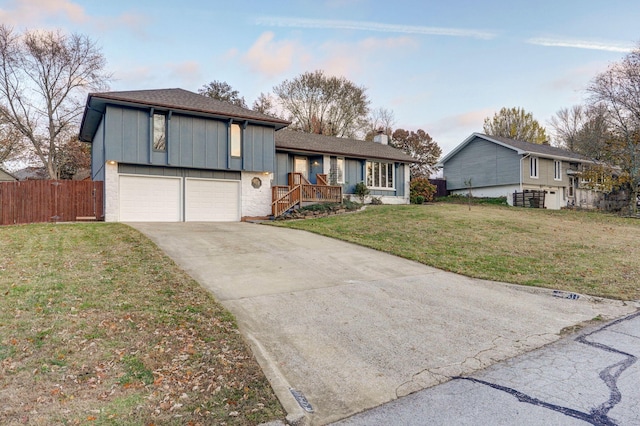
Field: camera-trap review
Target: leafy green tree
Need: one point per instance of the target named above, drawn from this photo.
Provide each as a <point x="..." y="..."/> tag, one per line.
<point x="222" y="91"/>
<point x="515" y="123"/>
<point x="317" y="103"/>
<point x="420" y="146"/>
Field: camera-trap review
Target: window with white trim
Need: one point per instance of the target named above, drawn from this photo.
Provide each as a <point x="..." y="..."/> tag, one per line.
<point x="557" y="170"/>
<point x="533" y="167"/>
<point x="159" y="132"/>
<point x="236" y="141"/>
<point x="570" y="190"/>
<point x="340" y="170"/>
<point x="380" y="174"/>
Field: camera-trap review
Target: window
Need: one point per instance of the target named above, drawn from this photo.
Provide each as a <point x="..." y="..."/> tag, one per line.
<point x="533" y="167"/>
<point x="557" y="170"/>
<point x="379" y="174"/>
<point x="236" y="141"/>
<point x="570" y="187"/>
<point x="336" y="171"/>
<point x="340" y="170"/>
<point x="159" y="132"/>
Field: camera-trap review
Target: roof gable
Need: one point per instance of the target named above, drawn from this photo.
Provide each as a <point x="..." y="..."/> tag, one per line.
<point x="290" y="140"/>
<point x="521" y="147"/>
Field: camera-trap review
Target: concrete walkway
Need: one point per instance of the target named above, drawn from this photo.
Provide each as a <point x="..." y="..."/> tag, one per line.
<point x="349" y="328"/>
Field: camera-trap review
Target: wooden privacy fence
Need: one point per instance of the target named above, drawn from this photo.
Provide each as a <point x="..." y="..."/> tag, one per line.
<point x="529" y="198"/>
<point x="34" y="201"/>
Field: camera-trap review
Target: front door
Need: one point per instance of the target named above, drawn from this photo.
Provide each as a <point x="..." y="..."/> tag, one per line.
<point x="301" y="165"/>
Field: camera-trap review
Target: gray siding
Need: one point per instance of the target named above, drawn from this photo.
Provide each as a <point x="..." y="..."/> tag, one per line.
<point x="352" y="174"/>
<point x="485" y="163"/>
<point x="283" y="168"/>
<point x="97" y="154"/>
<point x="136" y="169"/>
<point x="259" y="148"/>
<point x="193" y="142"/>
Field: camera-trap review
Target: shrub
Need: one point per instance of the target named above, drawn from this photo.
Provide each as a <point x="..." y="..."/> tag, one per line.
<point x="421" y="186"/>
<point x="376" y="201"/>
<point x="361" y="191"/>
<point x="419" y="199"/>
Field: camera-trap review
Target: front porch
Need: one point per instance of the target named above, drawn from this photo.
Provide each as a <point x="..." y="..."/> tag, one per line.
<point x="300" y="190"/>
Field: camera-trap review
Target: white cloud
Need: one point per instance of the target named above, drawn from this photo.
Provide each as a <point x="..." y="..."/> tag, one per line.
<point x="271" y="58"/>
<point x="609" y="46"/>
<point x="276" y="21"/>
<point x="35" y="13"/>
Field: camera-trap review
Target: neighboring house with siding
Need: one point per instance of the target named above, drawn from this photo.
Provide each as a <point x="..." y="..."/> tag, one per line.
<point x="497" y="166"/>
<point x="171" y="155"/>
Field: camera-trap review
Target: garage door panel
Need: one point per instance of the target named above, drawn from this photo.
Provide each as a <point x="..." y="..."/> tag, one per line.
<point x="150" y="199"/>
<point x="208" y="200"/>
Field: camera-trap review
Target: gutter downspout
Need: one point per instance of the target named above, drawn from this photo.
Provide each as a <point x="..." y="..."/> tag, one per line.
<point x="521" y="175"/>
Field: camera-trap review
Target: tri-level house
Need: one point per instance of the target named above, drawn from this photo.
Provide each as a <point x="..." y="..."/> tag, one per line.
<point x="171" y="155"/>
<point x="493" y="166"/>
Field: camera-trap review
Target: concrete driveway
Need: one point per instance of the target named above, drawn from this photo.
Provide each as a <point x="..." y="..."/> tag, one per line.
<point x="349" y="328"/>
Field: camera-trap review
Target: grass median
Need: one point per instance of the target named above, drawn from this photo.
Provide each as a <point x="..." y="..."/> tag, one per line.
<point x="98" y="326"/>
<point x="588" y="253"/>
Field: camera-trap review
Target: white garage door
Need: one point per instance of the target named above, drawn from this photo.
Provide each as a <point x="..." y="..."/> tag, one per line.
<point x="209" y="200"/>
<point x="150" y="199"/>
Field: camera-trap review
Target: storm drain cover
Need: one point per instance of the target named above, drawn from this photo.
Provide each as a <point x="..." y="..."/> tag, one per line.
<point x="301" y="400"/>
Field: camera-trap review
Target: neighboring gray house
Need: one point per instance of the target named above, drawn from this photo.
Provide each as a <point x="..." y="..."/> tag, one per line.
<point x="171" y="155"/>
<point x="497" y="166"/>
<point x="6" y="176"/>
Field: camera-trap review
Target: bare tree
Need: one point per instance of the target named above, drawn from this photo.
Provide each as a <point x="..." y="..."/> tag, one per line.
<point x="515" y="123"/>
<point x="421" y="147"/>
<point x="264" y="104"/>
<point x="567" y="124"/>
<point x="380" y="120"/>
<point x="44" y="77"/>
<point x="222" y="91"/>
<point x="618" y="91"/>
<point x="316" y="103"/>
<point x="10" y="141"/>
<point x="582" y="129"/>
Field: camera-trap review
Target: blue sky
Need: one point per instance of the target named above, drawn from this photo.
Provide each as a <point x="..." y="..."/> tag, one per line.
<point x="442" y="66"/>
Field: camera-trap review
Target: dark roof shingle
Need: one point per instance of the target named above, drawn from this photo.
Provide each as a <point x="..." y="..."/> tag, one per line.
<point x="188" y="101"/>
<point x="534" y="148"/>
<point x="290" y="140"/>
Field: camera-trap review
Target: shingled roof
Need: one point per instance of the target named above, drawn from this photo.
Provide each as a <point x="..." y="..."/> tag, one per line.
<point x="522" y="148"/>
<point x="289" y="140"/>
<point x="171" y="99"/>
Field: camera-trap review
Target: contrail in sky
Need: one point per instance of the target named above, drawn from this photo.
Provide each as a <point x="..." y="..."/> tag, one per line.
<point x="582" y="44"/>
<point x="275" y="21"/>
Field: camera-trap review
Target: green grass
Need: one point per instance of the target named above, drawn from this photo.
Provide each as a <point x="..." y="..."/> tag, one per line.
<point x="589" y="253"/>
<point x="98" y="326"/>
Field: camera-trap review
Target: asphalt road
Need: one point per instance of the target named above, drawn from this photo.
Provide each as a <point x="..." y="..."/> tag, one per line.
<point x="589" y="378"/>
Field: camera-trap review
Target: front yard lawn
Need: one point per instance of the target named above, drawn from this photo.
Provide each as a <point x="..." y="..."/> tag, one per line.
<point x="588" y="253"/>
<point x="99" y="327"/>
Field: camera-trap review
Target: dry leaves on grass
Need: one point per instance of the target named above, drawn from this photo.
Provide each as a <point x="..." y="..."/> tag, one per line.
<point x="118" y="336"/>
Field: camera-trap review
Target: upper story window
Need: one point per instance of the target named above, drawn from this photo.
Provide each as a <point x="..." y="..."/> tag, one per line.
<point x="557" y="170"/>
<point x="380" y="174"/>
<point x="159" y="132"/>
<point x="533" y="167"/>
<point x="236" y="141"/>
